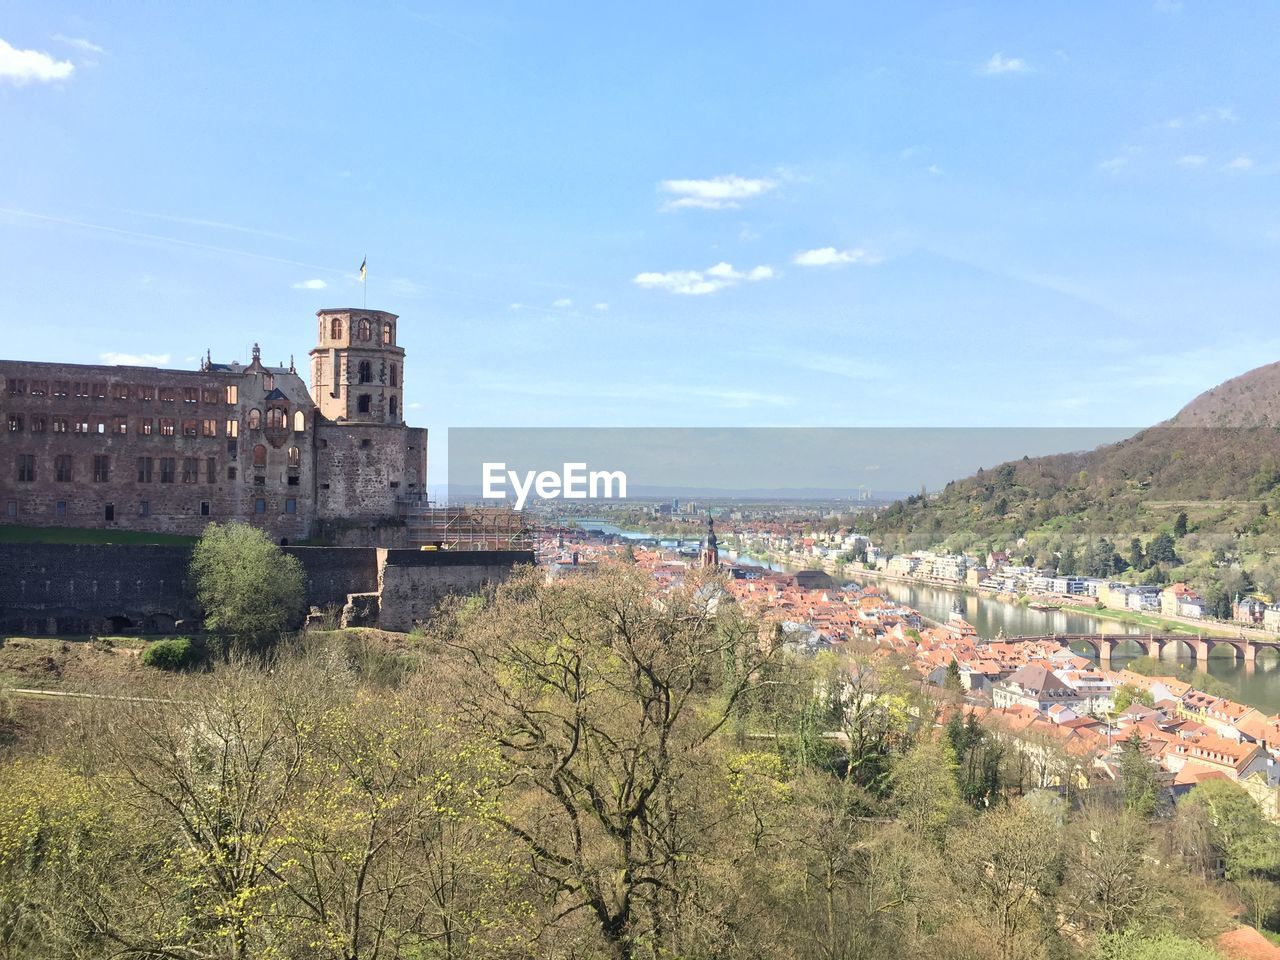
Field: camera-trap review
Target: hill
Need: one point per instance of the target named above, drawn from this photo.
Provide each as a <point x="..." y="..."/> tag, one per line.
<point x="1217" y="462"/>
<point x="1249" y="400"/>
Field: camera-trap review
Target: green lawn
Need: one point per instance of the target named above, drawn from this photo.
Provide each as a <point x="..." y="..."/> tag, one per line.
<point x="10" y="533"/>
<point x="1153" y="623"/>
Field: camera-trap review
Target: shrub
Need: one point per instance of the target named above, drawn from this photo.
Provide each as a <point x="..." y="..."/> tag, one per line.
<point x="175" y="654"/>
<point x="249" y="589"/>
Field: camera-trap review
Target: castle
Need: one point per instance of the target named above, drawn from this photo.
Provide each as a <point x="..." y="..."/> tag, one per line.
<point x="169" y="451"/>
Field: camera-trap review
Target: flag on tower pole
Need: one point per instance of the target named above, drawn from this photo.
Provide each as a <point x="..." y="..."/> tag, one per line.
<point x="362" y="270"/>
<point x="364" y="286"/>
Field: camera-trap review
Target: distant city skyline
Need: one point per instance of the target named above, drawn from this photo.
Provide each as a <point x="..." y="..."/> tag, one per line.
<point x="977" y="215"/>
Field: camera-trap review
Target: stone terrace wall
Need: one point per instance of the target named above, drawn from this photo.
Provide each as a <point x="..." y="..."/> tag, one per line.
<point x="413" y="582"/>
<point x="69" y="588"/>
<point x="65" y="588"/>
<point x="334" y="572"/>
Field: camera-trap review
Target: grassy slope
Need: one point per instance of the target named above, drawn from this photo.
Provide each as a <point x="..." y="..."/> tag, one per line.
<point x="11" y="533"/>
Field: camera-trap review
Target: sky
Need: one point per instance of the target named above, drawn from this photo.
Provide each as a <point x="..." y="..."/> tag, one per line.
<point x="749" y="214"/>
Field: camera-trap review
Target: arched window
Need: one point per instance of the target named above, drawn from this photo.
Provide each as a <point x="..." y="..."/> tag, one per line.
<point x="295" y="457"/>
<point x="255" y="419"/>
<point x="364" y="331"/>
<point x="335" y="328"/>
<point x="388" y="334"/>
<point x="299" y="422"/>
<point x="365" y="403"/>
<point x="365" y="374"/>
<point x="277" y="419"/>
<point x="394" y="407"/>
<point x="259" y="455"/>
<point x="395" y="375"/>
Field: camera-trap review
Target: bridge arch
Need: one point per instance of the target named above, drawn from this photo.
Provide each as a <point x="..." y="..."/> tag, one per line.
<point x="1268" y="652"/>
<point x="1091" y="642"/>
<point x="1123" y="644"/>
<point x="1173" y="648"/>
<point x="1236" y="648"/>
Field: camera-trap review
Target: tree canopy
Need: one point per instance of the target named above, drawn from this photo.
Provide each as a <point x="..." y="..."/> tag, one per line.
<point x="249" y="589"/>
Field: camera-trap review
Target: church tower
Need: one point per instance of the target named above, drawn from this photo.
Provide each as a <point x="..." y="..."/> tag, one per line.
<point x="710" y="549"/>
<point x="357" y="370"/>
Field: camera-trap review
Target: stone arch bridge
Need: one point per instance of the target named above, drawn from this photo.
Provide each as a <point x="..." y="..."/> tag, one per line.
<point x="1154" y="644"/>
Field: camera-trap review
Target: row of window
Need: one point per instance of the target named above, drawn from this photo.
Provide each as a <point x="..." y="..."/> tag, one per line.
<point x="363" y="330"/>
<point x="85" y="390"/>
<point x="64" y="467"/>
<point x="144" y="508"/>
<point x="100" y="426"/>
<point x="277" y="419"/>
<point x="364" y="404"/>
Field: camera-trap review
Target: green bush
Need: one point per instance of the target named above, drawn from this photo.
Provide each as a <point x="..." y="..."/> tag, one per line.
<point x="175" y="654"/>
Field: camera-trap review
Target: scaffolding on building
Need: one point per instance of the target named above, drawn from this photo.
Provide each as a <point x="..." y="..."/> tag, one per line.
<point x="466" y="528"/>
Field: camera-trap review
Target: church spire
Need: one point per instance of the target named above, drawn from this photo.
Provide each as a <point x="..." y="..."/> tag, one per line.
<point x="710" y="547"/>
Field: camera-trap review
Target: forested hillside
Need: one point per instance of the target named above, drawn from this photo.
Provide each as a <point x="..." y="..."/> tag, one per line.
<point x="1200" y="495"/>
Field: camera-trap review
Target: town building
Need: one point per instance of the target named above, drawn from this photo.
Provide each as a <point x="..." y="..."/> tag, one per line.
<point x="1179" y="600"/>
<point x="1036" y="687"/>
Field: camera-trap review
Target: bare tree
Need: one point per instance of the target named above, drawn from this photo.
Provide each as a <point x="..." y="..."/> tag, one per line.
<point x="603" y="697"/>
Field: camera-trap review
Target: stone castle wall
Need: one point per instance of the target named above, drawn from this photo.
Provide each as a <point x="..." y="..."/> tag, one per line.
<point x="365" y="468"/>
<point x="168" y="451"/>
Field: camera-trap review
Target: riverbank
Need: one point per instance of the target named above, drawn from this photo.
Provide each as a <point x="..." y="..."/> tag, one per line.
<point x="1151" y="623"/>
<point x="994" y="615"/>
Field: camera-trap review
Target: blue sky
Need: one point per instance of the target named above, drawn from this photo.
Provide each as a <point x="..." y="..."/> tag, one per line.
<point x="668" y="214"/>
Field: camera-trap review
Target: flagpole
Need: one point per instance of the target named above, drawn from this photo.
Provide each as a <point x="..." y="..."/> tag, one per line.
<point x="364" y="280"/>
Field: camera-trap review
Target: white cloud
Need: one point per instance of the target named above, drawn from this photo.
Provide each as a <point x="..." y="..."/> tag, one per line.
<point x="562" y="303"/>
<point x="1242" y="162"/>
<point x="315" y="284"/>
<point x="1192" y="160"/>
<point x="999" y="64"/>
<point x="1200" y="117"/>
<point x="699" y="282"/>
<point x="1115" y="164"/>
<point x="843" y="366"/>
<point x="935" y="169"/>
<point x="602" y="306"/>
<point x="80" y="43"/>
<point x="831" y="257"/>
<point x="136" y="359"/>
<point x="717" y="193"/>
<point x="21" y="67"/>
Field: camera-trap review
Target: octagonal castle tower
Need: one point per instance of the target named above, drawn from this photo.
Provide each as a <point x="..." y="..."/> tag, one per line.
<point x="369" y="464"/>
